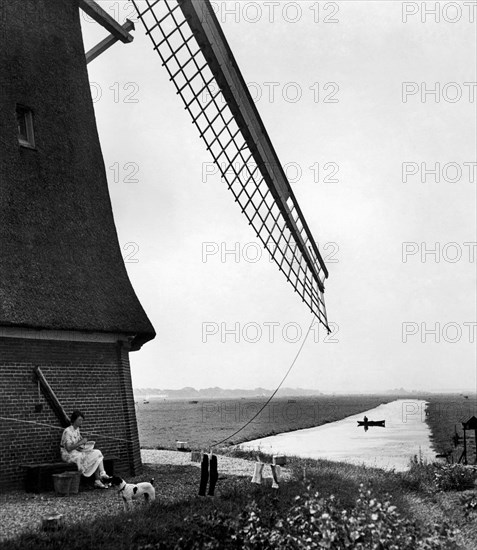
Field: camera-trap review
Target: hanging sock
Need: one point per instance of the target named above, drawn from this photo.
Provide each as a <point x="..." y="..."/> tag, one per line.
<point x="257" y="475"/>
<point x="204" y="475"/>
<point x="275" y="475"/>
<point x="214" y="475"/>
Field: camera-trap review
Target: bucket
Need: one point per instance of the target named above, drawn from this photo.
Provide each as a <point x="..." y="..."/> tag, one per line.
<point x="62" y="483"/>
<point x="75" y="482"/>
<point x="195" y="456"/>
<point x="279" y="460"/>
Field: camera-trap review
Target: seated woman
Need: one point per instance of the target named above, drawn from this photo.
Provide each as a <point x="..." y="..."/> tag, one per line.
<point x="88" y="461"/>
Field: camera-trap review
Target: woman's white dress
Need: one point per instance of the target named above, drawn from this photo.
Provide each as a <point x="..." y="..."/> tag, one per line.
<point x="87" y="461"/>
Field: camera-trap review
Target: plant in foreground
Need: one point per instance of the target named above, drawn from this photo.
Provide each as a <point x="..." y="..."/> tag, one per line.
<point x="469" y="504"/>
<point x="314" y="522"/>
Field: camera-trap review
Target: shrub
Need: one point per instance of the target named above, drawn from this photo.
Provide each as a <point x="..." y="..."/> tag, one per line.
<point x="420" y="476"/>
<point x="454" y="477"/>
<point x="314" y="522"/>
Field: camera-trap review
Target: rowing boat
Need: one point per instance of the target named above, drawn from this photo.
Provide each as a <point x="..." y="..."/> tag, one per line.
<point x="371" y="423"/>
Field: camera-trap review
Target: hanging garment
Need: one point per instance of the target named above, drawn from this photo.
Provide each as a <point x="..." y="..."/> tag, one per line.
<point x="257" y="474"/>
<point x="275" y="475"/>
<point x="204" y="475"/>
<point x="214" y="474"/>
<point x="208" y="468"/>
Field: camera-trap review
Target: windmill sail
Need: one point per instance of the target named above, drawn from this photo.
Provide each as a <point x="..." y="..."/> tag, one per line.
<point x="195" y="52"/>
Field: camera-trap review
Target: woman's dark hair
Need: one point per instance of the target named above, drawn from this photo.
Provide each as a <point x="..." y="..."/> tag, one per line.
<point x="75" y="415"/>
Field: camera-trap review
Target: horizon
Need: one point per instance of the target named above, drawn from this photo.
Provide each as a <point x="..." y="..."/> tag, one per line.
<point x="452" y="391"/>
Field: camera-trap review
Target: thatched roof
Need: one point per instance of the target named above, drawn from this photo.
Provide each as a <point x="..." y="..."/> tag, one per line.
<point x="60" y="262"/>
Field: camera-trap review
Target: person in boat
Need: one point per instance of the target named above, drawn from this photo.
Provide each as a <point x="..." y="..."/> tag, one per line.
<point x="365" y="419"/>
<point x="72" y="448"/>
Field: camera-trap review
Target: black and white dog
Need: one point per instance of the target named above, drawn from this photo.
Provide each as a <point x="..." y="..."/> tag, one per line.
<point x="131" y="491"/>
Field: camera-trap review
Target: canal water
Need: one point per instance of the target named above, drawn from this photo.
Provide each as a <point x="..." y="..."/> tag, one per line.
<point x="405" y="434"/>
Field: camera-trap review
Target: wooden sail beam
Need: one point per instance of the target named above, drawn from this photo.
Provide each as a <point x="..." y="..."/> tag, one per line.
<point x="91" y="8"/>
<point x="211" y="38"/>
<point x="102" y="46"/>
<point x="195" y="53"/>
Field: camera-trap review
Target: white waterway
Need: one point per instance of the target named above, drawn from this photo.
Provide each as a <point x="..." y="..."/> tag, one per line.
<point x="406" y="434"/>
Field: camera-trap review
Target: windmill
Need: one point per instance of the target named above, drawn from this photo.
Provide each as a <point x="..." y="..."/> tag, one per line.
<point x="68" y="314"/>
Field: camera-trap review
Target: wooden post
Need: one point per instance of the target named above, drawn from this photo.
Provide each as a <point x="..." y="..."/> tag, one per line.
<point x="53" y="400"/>
<point x="475" y="434"/>
<point x="465" y="448"/>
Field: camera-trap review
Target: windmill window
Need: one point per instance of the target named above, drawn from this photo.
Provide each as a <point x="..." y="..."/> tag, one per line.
<point x="26" y="137"/>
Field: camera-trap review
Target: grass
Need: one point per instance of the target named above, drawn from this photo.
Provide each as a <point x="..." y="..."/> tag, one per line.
<point x="444" y="415"/>
<point x="189" y="521"/>
<point x="335" y="478"/>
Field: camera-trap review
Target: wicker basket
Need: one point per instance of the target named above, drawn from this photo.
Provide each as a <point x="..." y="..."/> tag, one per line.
<point x="62" y="483"/>
<point x="75" y="482"/>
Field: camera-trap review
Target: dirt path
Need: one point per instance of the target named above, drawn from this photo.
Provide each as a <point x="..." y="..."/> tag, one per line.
<point x="176" y="479"/>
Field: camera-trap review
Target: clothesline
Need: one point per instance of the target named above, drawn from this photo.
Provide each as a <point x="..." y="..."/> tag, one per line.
<point x="61" y="428"/>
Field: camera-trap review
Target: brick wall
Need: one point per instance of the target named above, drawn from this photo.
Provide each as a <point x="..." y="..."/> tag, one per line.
<point x="92" y="377"/>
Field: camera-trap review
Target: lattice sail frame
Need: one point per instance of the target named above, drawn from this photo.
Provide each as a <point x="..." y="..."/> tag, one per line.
<point x="195" y="53"/>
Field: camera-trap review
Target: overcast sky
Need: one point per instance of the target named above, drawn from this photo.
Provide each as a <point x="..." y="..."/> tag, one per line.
<point x="328" y="81"/>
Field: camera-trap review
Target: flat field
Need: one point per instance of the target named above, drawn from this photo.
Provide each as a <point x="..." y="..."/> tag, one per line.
<point x="163" y="422"/>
